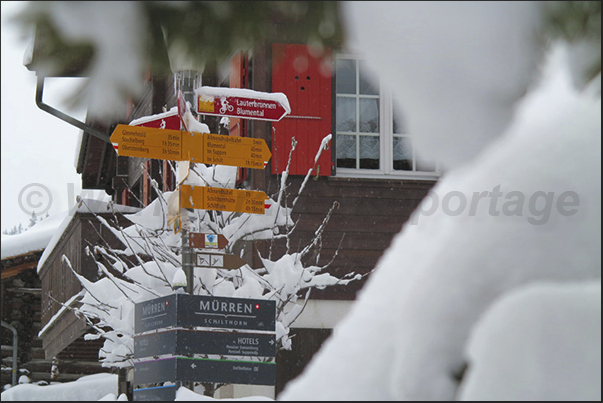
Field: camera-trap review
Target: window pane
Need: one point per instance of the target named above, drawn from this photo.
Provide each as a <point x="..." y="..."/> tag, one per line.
<point x="369" y="152"/>
<point x="368" y="83"/>
<point x="346" y="151"/>
<point x="399" y="123"/>
<point x="402" y="154"/>
<point x="346" y="114"/>
<point x="369" y="115"/>
<point x="346" y="76"/>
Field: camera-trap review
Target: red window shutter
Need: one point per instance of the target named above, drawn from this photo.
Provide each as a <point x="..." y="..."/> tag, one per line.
<point x="238" y="79"/>
<point x="306" y="80"/>
<point x="168" y="178"/>
<point x="125" y="197"/>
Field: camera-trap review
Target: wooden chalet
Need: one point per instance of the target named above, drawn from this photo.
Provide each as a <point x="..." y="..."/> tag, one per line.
<point x="37" y="290"/>
<point x="62" y="331"/>
<point x="368" y="171"/>
<point x="21" y="302"/>
<point x="20" y="308"/>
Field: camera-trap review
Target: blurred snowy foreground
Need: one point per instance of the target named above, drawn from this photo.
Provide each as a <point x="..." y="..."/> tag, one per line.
<point x="492" y="290"/>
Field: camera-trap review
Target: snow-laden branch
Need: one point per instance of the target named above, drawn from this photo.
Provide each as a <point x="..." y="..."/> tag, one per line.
<point x="318" y="233"/>
<point x="324" y="145"/>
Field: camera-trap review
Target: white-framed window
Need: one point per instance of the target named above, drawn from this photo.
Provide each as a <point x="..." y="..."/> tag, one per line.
<point x="371" y="136"/>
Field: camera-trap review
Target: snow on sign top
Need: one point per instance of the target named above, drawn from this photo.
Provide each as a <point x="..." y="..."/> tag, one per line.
<point x="242" y="103"/>
<point x="165" y="120"/>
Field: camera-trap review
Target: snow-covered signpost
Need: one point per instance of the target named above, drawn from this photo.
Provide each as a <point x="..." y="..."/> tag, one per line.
<point x="160" y="143"/>
<point x="157" y="262"/>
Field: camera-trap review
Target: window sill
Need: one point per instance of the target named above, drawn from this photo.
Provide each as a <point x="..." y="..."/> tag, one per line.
<point x="364" y="174"/>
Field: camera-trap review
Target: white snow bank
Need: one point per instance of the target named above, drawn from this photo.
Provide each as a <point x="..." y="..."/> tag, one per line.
<point x="34" y="239"/>
<point x="83" y="206"/>
<point x="91" y="387"/>
<point x="541" y="342"/>
<point x="406" y="333"/>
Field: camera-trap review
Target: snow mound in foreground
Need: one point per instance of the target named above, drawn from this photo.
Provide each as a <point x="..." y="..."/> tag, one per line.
<point x="406" y="334"/>
<point x="541" y="342"/>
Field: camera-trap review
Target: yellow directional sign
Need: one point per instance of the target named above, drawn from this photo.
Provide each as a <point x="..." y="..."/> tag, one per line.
<point x="148" y="142"/>
<point x="235" y="200"/>
<point x="234" y="151"/>
<point x="176" y="145"/>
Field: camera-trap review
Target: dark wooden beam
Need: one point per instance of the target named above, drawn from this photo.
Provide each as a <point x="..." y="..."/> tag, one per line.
<point x="13" y="271"/>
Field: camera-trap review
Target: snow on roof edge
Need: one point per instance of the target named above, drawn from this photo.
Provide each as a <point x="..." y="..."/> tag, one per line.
<point x="33" y="239"/>
<point x="84" y="206"/>
<point x="78" y="146"/>
<point x="63" y="308"/>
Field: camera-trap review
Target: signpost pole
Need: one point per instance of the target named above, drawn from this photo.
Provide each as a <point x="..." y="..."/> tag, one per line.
<point x="187" y="261"/>
<point x="188" y="267"/>
<point x="187" y="253"/>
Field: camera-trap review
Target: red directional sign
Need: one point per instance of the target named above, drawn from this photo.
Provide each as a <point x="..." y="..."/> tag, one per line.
<point x="167" y="120"/>
<point x="240" y="103"/>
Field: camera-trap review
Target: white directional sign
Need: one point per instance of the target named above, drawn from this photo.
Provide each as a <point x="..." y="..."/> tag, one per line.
<point x="219" y="261"/>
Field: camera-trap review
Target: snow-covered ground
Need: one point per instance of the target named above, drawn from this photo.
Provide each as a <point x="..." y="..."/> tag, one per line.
<point x="91" y="387"/>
